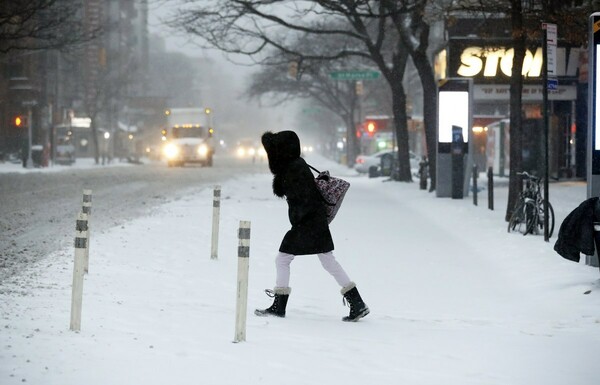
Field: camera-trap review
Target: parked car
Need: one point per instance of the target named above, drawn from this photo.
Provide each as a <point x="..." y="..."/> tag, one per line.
<point x="65" y="154"/>
<point x="364" y="162"/>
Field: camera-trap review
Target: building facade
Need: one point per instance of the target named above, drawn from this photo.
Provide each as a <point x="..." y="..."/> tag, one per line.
<point x="488" y="61"/>
<point x="97" y="79"/>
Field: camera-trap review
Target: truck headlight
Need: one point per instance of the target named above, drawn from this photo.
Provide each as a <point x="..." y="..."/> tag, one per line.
<point x="203" y="150"/>
<point x="171" y="150"/>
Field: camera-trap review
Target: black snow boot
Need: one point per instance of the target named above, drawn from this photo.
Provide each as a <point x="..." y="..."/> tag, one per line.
<point x="281" y="295"/>
<point x="358" y="309"/>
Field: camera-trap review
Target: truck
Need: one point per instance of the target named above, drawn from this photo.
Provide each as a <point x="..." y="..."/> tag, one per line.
<point x="188" y="137"/>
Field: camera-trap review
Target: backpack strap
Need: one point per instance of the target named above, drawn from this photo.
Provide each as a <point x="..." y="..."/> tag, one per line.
<point x="318" y="172"/>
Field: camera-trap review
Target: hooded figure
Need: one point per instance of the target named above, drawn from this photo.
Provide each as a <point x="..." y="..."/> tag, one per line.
<point x="294" y="181"/>
<point x="576" y="233"/>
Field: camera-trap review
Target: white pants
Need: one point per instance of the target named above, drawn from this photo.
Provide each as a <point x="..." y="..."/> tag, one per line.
<point x="328" y="261"/>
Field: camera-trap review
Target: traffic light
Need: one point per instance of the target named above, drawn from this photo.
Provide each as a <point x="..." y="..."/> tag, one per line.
<point x="19" y="121"/>
<point x="371" y="127"/>
<point x="211" y="131"/>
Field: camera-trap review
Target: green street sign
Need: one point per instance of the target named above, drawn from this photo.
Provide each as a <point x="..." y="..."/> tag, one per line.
<point x="354" y="75"/>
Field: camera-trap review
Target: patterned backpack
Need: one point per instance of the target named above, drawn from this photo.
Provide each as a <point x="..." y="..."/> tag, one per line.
<point x="332" y="190"/>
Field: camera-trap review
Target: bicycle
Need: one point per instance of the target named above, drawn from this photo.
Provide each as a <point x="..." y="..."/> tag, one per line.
<point x="528" y="214"/>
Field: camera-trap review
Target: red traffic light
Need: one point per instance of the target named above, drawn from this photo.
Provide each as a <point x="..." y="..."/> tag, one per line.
<point x="371" y="127"/>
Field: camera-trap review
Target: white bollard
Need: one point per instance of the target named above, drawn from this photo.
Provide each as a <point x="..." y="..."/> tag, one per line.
<point x="87" y="209"/>
<point x="242" y="281"/>
<point x="77" y="291"/>
<point x="214" y="248"/>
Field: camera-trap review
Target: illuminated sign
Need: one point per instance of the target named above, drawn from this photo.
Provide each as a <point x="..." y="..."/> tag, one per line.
<point x="453" y="111"/>
<point x="81" y="122"/>
<point x="593" y="144"/>
<point x="475" y="59"/>
<point x="488" y="63"/>
<point x="453" y="132"/>
<point x="596" y="99"/>
<point x="594" y="87"/>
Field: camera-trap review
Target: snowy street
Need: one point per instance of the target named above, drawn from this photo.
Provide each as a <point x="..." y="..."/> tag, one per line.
<point x="454" y="298"/>
<point x="37" y="205"/>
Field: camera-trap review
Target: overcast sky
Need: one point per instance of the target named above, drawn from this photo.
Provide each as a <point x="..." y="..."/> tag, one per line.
<point x="263" y="119"/>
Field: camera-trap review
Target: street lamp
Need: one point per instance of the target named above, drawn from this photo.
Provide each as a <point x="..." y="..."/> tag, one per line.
<point x="29" y="104"/>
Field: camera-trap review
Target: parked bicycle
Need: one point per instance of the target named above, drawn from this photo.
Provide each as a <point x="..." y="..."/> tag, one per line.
<point x="528" y="214"/>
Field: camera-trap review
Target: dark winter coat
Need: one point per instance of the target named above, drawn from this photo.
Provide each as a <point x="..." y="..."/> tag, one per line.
<point x="576" y="233"/>
<point x="293" y="180"/>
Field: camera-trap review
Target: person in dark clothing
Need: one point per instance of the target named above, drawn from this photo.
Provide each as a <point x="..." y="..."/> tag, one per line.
<point x="309" y="234"/>
<point x="576" y="233"/>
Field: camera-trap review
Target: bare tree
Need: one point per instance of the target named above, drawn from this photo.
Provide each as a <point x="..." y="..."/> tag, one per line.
<point x="362" y="28"/>
<point x="41" y="24"/>
<point x="103" y="94"/>
<point x="313" y="82"/>
<point x="525" y="18"/>
<point x="411" y="22"/>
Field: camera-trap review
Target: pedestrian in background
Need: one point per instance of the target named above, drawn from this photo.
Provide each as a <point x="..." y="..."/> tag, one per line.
<point x="309" y="234"/>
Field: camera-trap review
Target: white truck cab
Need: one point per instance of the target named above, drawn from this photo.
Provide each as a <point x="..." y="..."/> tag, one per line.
<point x="186" y="139"/>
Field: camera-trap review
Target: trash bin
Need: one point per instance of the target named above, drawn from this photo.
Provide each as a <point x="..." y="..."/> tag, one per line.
<point x="37" y="151"/>
<point x="373" y="172"/>
<point x="386" y="164"/>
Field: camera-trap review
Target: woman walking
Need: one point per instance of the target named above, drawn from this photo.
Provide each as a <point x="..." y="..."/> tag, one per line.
<point x="309" y="234"/>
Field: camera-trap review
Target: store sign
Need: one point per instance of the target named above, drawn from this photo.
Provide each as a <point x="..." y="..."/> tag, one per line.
<point x="474" y="60"/>
<point x="491" y="62"/>
<point x="81" y="122"/>
<point x="531" y="92"/>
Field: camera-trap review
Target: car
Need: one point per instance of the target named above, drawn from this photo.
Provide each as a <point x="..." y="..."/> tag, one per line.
<point x="250" y="149"/>
<point x="364" y="162"/>
<point x="65" y="154"/>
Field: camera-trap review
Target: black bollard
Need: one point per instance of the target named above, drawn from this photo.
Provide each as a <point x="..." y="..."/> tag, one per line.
<point x="423" y="173"/>
<point x="475" y="184"/>
<point x="491" y="188"/>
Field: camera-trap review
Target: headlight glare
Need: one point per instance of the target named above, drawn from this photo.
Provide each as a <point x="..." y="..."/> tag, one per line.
<point x="171" y="150"/>
<point x="203" y="150"/>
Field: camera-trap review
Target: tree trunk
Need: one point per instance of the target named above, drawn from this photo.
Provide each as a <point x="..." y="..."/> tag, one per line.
<point x="400" y="121"/>
<point x="515" y="185"/>
<point x="95" y="141"/>
<point x="425" y="71"/>
<point x="351" y="141"/>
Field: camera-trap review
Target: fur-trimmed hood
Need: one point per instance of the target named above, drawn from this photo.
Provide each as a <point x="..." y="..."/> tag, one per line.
<point x="282" y="148"/>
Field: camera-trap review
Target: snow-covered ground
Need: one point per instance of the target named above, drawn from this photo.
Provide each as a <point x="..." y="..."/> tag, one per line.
<point x="81" y="163"/>
<point x="454" y="298"/>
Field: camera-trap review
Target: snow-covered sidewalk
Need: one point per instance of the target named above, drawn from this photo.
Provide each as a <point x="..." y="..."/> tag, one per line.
<point x="454" y="298"/>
